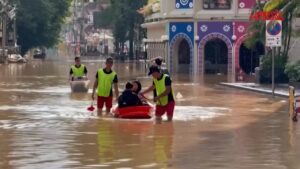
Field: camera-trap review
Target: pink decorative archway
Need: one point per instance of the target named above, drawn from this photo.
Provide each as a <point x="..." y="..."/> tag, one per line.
<point x="201" y="47"/>
<point x="237" y="47"/>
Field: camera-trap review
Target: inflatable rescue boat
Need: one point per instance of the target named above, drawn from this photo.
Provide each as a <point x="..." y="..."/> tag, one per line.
<point x="80" y="85"/>
<point x="134" y="112"/>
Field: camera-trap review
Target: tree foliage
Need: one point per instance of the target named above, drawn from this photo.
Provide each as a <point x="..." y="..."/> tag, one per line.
<point x="39" y="22"/>
<point x="289" y="9"/>
<point x="103" y="19"/>
<point x="125" y="21"/>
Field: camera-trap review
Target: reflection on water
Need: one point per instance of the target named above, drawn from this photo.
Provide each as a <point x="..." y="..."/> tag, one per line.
<point x="105" y="140"/>
<point x="44" y="125"/>
<point x="163" y="142"/>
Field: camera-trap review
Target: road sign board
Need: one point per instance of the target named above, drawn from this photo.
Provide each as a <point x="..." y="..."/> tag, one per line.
<point x="273" y="33"/>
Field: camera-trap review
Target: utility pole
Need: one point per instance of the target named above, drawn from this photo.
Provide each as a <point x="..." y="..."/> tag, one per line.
<point x="77" y="27"/>
<point x="4" y="5"/>
<point x="273" y="71"/>
<point x="4" y="34"/>
<point x="15" y="32"/>
<point x="74" y="27"/>
<point x="7" y="13"/>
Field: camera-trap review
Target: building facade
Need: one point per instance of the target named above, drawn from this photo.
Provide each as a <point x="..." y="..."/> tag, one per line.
<point x="202" y="36"/>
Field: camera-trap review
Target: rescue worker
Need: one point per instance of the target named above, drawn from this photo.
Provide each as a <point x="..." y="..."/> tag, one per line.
<point x="78" y="71"/>
<point x="162" y="84"/>
<point x="106" y="80"/>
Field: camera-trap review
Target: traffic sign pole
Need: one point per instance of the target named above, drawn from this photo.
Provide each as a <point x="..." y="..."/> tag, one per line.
<point x="273" y="40"/>
<point x="273" y="71"/>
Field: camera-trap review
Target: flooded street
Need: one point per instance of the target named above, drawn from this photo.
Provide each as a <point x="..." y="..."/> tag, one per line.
<point x="45" y="126"/>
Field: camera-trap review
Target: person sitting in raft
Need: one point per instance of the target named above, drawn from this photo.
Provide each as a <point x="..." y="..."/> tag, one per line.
<point x="136" y="87"/>
<point x="78" y="71"/>
<point x="128" y="97"/>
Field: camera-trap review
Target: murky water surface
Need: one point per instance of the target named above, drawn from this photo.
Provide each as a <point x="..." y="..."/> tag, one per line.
<point x="45" y="126"/>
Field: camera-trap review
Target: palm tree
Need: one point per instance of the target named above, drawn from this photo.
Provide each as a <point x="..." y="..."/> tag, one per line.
<point x="290" y="9"/>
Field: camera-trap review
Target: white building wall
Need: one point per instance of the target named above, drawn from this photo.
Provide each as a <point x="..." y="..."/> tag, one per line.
<point x="294" y="54"/>
<point x="156" y="33"/>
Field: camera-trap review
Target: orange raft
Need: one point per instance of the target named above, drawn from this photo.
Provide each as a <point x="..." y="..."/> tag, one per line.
<point x="134" y="112"/>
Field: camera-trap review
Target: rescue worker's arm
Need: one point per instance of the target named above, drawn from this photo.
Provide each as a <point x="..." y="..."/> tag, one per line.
<point x="71" y="75"/>
<point x="85" y="72"/>
<point x="151" y="88"/>
<point x="116" y="90"/>
<point x="95" y="86"/>
<point x="151" y="61"/>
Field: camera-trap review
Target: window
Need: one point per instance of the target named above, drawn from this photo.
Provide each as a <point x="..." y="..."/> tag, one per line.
<point x="216" y="4"/>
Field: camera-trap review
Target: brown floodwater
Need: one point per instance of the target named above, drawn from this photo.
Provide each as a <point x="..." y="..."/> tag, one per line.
<point x="45" y="126"/>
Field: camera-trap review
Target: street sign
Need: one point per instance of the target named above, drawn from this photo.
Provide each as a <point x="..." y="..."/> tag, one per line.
<point x="273" y="33"/>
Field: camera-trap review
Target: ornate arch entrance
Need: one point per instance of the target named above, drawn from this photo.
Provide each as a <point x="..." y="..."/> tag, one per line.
<point x="201" y="51"/>
<point x="180" y="46"/>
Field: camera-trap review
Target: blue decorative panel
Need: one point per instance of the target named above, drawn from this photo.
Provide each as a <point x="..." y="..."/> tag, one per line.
<point x="181" y="27"/>
<point x="184" y="4"/>
<point x="177" y="32"/>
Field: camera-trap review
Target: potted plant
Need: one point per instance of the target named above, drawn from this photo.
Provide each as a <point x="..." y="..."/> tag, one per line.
<point x="266" y="70"/>
<point x="293" y="72"/>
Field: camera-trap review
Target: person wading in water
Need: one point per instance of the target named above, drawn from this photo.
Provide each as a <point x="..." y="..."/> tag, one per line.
<point x="164" y="98"/>
<point x="106" y="79"/>
<point x="78" y="71"/>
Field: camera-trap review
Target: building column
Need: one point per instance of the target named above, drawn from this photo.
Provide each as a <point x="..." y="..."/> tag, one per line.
<point x="167" y="57"/>
<point x="195" y="63"/>
<point x="149" y="50"/>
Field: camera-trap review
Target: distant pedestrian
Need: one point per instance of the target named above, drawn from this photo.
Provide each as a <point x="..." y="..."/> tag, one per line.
<point x="159" y="61"/>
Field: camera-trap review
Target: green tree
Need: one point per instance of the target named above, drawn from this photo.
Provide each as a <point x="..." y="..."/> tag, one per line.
<point x="289" y="10"/>
<point x="125" y="21"/>
<point x="103" y="19"/>
<point x="134" y="21"/>
<point x="39" y="22"/>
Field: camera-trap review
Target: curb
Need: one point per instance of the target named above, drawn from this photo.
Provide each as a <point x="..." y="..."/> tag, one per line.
<point x="254" y="90"/>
